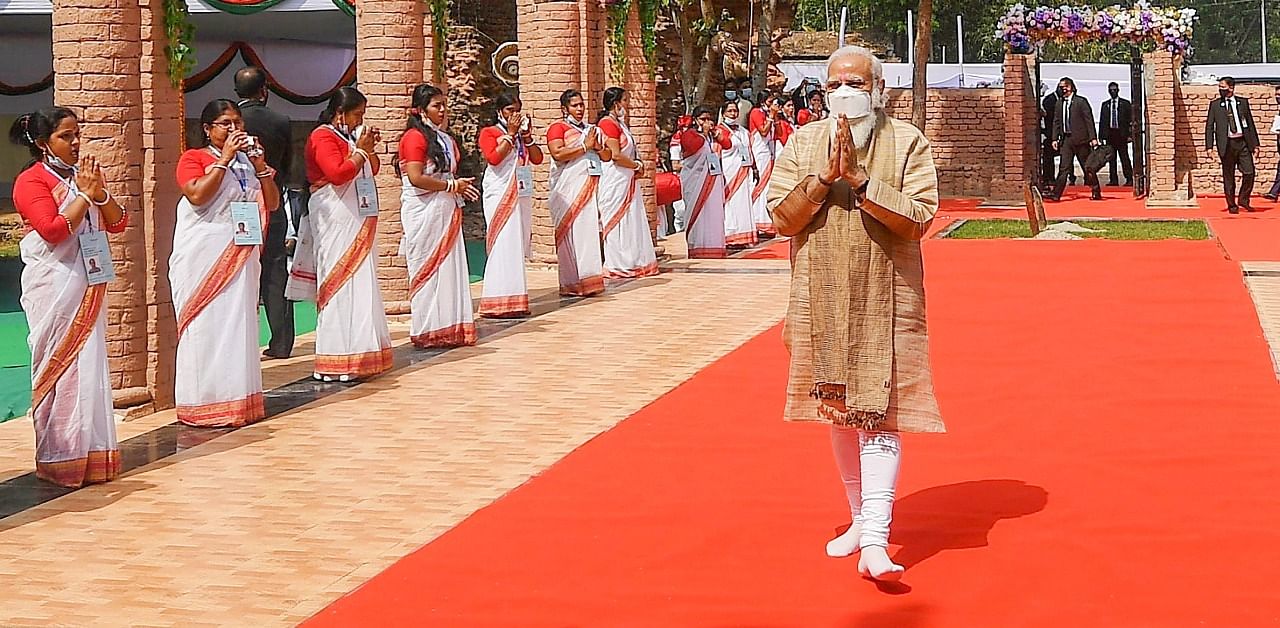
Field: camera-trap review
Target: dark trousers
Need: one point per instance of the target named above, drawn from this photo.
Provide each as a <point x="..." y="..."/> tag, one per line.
<point x="275" y="274"/>
<point x="1237" y="156"/>
<point x="1117" y="139"/>
<point x="1048" y="167"/>
<point x="1074" y="149"/>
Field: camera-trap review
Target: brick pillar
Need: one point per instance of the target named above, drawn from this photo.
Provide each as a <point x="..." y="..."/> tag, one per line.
<point x="393" y="55"/>
<point x="161" y="126"/>
<point x="97" y="76"/>
<point x="550" y="47"/>
<point x="593" y="55"/>
<point x="1021" y="130"/>
<point x="1169" y="133"/>
<point x="642" y="106"/>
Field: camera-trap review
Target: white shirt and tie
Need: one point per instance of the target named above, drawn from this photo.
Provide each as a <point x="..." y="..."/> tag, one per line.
<point x="1115" y="113"/>
<point x="1237" y="128"/>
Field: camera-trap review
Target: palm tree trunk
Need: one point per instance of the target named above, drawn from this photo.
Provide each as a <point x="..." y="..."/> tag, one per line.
<point x="920" y="74"/>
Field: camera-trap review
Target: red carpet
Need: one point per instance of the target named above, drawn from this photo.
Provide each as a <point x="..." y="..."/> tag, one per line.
<point x="780" y="249"/>
<point x="1111" y="462"/>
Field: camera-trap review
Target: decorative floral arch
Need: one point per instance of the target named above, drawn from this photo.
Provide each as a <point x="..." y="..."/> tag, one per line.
<point x="1150" y="28"/>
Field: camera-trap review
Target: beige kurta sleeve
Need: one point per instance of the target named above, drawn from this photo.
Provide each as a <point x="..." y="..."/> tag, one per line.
<point x="909" y="211"/>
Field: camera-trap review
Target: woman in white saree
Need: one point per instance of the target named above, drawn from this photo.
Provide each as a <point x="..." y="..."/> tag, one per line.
<point x="66" y="207"/>
<point x="628" y="244"/>
<point x="702" y="184"/>
<point x="352" y="338"/>
<point x="578" y="159"/>
<point x="765" y="121"/>
<point x="214" y="272"/>
<point x="509" y="149"/>
<point x="739" y="226"/>
<point x="431" y="200"/>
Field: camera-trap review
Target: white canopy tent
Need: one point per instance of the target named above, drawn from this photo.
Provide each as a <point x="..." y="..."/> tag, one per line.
<point x="1090" y="78"/>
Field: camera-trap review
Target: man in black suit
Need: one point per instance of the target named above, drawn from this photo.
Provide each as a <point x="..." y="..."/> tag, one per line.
<point x="1049" y="154"/>
<point x="273" y="131"/>
<point x="1114" y="122"/>
<point x="1074" y="136"/>
<point x="1229" y="127"/>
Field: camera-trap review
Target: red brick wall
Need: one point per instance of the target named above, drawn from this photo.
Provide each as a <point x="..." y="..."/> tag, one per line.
<point x="966" y="130"/>
<point x="161" y="123"/>
<point x="642" y="113"/>
<point x="97" y="48"/>
<point x="1206" y="168"/>
<point x="394" y="56"/>
<point x="550" y="39"/>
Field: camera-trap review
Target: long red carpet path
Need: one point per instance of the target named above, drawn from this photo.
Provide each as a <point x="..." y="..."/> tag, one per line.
<point x="1111" y="462"/>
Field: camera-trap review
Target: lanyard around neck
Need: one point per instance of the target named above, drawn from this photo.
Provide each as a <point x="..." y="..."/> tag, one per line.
<point x="244" y="182"/>
<point x="70" y="182"/>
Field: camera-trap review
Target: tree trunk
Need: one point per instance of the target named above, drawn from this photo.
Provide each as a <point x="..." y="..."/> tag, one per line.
<point x="764" y="47"/>
<point x="688" y="44"/>
<point x="711" y="58"/>
<point x="920" y="73"/>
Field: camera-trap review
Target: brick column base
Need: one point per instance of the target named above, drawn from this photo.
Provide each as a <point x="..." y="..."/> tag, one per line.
<point x="1171" y="135"/>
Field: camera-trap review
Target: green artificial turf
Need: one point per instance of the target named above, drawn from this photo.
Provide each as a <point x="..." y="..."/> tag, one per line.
<point x="991" y="229"/>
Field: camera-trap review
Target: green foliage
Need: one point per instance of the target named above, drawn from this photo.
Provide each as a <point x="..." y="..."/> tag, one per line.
<point x="439" y="36"/>
<point x="180" y="33"/>
<point x="617" y="13"/>
<point x="617" y="29"/>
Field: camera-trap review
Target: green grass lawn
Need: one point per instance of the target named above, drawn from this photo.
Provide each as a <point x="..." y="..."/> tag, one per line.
<point x="992" y="229"/>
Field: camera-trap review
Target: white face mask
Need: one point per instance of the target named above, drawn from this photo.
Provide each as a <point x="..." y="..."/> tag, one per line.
<point x="57" y="162"/>
<point x="853" y="103"/>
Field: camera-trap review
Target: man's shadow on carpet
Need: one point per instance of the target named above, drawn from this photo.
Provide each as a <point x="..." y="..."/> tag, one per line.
<point x="958" y="516"/>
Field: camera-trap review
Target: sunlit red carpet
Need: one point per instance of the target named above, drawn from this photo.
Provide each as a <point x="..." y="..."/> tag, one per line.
<point x="1111" y="462"/>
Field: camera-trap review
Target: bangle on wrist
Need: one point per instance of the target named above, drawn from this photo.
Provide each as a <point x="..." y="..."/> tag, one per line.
<point x="269" y="172"/>
<point x="219" y="166"/>
<point x="106" y="198"/>
<point x="85" y="197"/>
<point x="362" y="152"/>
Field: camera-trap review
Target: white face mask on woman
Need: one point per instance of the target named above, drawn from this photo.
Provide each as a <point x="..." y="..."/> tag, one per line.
<point x="852" y="102"/>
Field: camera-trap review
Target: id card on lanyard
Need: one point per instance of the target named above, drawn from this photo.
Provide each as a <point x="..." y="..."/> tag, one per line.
<point x="367" y="196"/>
<point x="244" y="212"/>
<point x="595" y="167"/>
<point x="713" y="164"/>
<point x="95" y="253"/>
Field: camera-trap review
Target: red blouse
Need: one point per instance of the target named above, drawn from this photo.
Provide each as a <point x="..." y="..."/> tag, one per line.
<point x="193" y="164"/>
<point x="756" y="121"/>
<point x="610" y="128"/>
<point x="33" y="196"/>
<point x="784" y="131"/>
<point x="691" y="143"/>
<point x="413" y="147"/>
<point x="488" y="143"/>
<point x="557" y="131"/>
<point x="327" y="158"/>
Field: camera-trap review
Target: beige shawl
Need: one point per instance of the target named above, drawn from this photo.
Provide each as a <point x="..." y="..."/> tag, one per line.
<point x="881" y="357"/>
<point x="851" y="294"/>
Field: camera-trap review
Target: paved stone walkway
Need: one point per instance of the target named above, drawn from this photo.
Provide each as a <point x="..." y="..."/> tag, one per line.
<point x="268" y="524"/>
<point x="1263" y="279"/>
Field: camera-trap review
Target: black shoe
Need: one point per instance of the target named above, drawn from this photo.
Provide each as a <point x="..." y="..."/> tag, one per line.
<point x="1096" y="197"/>
<point x="1233" y="210"/>
<point x="1247" y="208"/>
<point x="1051" y="197"/>
<point x="1270" y="197"/>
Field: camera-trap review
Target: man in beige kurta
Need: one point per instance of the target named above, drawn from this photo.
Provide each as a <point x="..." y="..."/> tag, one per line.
<point x="857" y="193"/>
